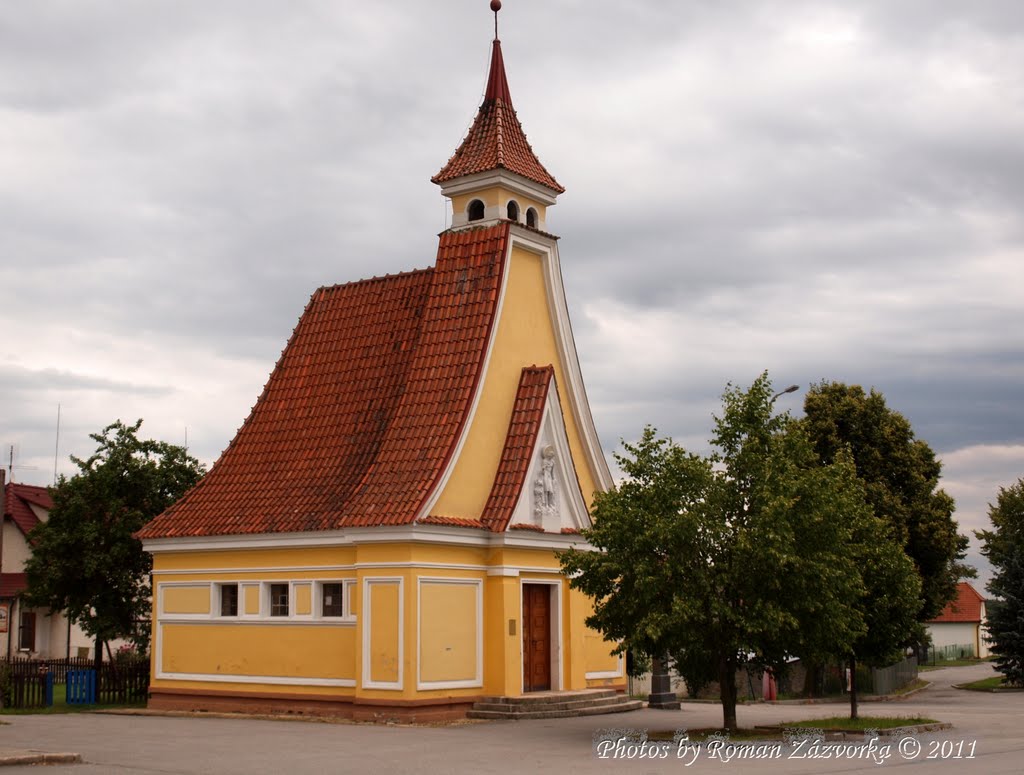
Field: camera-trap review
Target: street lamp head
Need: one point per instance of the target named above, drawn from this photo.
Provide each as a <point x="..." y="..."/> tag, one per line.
<point x="790" y="389"/>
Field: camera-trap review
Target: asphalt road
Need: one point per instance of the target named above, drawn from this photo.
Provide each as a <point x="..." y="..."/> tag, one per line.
<point x="989" y="728"/>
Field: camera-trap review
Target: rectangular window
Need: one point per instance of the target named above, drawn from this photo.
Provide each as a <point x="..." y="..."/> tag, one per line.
<point x="27" y="634"/>
<point x="229" y="600"/>
<point x="333" y="599"/>
<point x="278" y="599"/>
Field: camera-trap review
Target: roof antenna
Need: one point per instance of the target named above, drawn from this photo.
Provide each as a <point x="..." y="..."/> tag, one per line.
<point x="56" y="448"/>
<point x="495" y="6"/>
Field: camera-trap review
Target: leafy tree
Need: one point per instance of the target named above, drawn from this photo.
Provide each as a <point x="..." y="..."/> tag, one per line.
<point x="889" y="602"/>
<point x="1004" y="547"/>
<point x="901" y="477"/>
<point x="740" y="558"/>
<point x="85" y="559"/>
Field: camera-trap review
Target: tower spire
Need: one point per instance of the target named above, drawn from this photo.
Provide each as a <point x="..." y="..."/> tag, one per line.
<point x="496" y="140"/>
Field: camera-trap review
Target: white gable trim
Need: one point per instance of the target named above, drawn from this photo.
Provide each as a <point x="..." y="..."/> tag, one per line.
<point x="547" y="249"/>
<point x="577" y="394"/>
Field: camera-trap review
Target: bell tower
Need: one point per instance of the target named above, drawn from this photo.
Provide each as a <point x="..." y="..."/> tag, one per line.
<point x="494" y="174"/>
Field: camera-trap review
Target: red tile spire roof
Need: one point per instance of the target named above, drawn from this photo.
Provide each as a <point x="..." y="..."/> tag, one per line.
<point x="965" y="607"/>
<point x="365" y="406"/>
<point x="496" y="139"/>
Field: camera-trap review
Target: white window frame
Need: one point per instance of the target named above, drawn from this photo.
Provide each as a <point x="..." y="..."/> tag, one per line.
<point x="217" y="600"/>
<point x="267" y="603"/>
<point x="347" y="590"/>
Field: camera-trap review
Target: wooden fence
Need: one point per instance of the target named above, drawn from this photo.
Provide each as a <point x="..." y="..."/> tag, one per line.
<point x="57" y="667"/>
<point x="28" y="683"/>
<point x="124" y="681"/>
<point x="886" y="680"/>
<point x="28" y="691"/>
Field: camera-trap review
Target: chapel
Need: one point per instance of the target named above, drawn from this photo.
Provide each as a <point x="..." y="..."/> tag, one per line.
<point x="381" y="537"/>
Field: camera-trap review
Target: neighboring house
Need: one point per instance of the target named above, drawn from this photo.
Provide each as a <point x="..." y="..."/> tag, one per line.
<point x="961" y="623"/>
<point x="25" y="631"/>
<point x="380" y="538"/>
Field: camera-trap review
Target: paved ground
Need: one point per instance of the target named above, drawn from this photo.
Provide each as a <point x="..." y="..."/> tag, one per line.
<point x="157" y="744"/>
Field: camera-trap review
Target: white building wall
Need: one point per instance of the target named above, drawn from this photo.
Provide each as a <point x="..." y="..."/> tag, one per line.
<point x="16" y="549"/>
<point x="954" y="634"/>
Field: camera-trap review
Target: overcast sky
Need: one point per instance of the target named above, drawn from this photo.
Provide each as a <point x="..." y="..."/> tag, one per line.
<point x="826" y="190"/>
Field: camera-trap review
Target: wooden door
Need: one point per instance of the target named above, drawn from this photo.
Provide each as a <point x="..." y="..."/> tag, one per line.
<point x="536" y="637"/>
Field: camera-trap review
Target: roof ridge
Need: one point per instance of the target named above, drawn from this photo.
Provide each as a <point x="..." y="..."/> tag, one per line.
<point x="375" y="279"/>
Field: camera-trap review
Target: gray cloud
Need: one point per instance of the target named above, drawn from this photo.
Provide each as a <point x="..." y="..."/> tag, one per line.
<point x="823" y="189"/>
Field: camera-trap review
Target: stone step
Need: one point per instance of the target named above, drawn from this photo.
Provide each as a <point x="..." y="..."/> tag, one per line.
<point x="599" y="710"/>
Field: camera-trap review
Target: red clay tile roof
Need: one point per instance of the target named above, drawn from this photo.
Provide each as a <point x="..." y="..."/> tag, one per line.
<point x="364" y="407"/>
<point x="966" y="607"/>
<point x="496" y="140"/>
<point x="17" y="498"/>
<point x="523" y="429"/>
<point x="13" y="584"/>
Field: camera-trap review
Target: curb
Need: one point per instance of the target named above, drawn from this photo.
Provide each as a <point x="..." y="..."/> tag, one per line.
<point x="846" y="700"/>
<point x="14" y="758"/>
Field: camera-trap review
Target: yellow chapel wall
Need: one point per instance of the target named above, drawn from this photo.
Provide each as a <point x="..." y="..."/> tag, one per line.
<point x="525" y="337"/>
<point x="196" y="648"/>
<point x="431" y="620"/>
<point x="417" y="624"/>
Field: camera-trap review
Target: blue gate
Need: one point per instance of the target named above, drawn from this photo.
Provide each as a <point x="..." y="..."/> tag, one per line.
<point x="81" y="687"/>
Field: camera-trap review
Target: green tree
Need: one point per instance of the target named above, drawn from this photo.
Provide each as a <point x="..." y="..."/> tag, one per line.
<point x="1004" y="547"/>
<point x="901" y="480"/>
<point x="740" y="558"/>
<point x="85" y="559"/>
<point x="889" y="601"/>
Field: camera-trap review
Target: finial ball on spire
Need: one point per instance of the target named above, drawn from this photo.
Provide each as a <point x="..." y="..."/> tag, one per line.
<point x="495" y="5"/>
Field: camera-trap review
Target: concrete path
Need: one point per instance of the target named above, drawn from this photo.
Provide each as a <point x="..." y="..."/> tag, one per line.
<point x="158" y="744"/>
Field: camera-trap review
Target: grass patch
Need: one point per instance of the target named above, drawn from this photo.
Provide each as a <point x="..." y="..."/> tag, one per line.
<point x="700" y="735"/>
<point x="833" y="723"/>
<point x="914" y="685"/>
<point x="994" y="684"/>
<point x="848" y="724"/>
<point x="60" y="705"/>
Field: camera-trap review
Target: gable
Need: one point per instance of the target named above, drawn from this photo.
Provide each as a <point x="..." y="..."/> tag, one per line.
<point x="532" y="328"/>
<point x="26" y="505"/>
<point x="550" y="497"/>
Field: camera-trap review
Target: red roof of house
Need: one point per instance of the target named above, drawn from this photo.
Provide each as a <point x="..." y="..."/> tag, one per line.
<point x="523" y="429"/>
<point x="496" y="139"/>
<point x="17" y="500"/>
<point x="13" y="584"/>
<point x="966" y="607"/>
<point x="365" y="406"/>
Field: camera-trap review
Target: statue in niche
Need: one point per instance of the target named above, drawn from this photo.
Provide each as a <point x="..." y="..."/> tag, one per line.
<point x="545" y="487"/>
